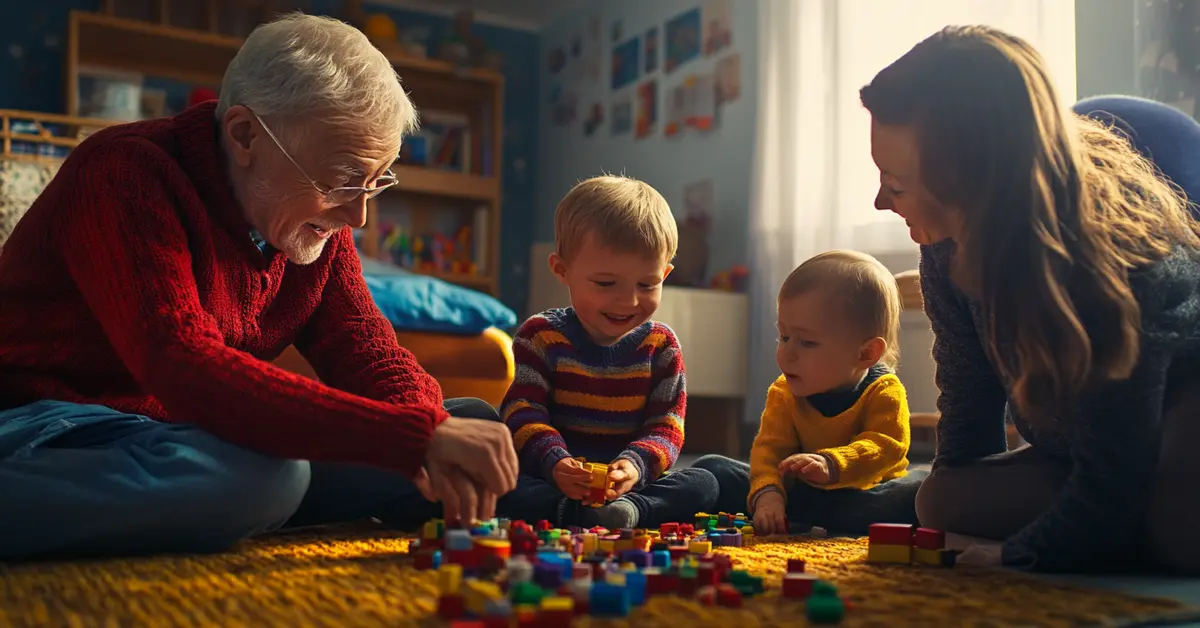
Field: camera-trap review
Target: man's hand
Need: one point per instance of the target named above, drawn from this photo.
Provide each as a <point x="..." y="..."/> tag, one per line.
<point x="462" y="499"/>
<point x="470" y="463"/>
<point x="623" y="475"/>
<point x="812" y="468"/>
<point x="770" y="515"/>
<point x="572" y="478"/>
<point x="425" y="485"/>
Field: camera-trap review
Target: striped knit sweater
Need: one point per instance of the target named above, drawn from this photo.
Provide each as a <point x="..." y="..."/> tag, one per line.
<point x="573" y="397"/>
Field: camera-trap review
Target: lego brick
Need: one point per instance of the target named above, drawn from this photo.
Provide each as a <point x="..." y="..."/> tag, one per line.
<point x="890" y="533"/>
<point x="935" y="557"/>
<point x="795" y="565"/>
<point x="798" y="584"/>
<point x="882" y="553"/>
<point x="929" y="539"/>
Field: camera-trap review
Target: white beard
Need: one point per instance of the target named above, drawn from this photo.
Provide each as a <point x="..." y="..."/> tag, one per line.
<point x="298" y="243"/>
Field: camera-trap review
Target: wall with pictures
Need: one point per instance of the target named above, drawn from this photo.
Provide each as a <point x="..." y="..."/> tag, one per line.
<point x="31" y="70"/>
<point x="664" y="92"/>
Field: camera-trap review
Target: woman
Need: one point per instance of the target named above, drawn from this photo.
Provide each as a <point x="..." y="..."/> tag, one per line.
<point x="1059" y="271"/>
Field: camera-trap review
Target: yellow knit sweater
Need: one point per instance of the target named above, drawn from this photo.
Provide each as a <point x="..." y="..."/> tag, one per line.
<point x="866" y="445"/>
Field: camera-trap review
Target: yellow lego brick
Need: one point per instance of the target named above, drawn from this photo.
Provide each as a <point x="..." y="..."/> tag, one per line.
<point x="450" y="579"/>
<point x="607" y="545"/>
<point x="590" y="542"/>
<point x="558" y="603"/>
<point x="492" y="543"/>
<point x="747" y="530"/>
<point x="615" y="578"/>
<point x="937" y="557"/>
<point x="700" y="547"/>
<point x="430" y="530"/>
<point x="881" y="553"/>
<point x="624" y="545"/>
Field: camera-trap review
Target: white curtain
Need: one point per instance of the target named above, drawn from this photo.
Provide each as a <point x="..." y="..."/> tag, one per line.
<point x="814" y="182"/>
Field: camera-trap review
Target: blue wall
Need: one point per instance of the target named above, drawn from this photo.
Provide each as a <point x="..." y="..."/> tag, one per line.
<point x="34" y="81"/>
<point x="567" y="154"/>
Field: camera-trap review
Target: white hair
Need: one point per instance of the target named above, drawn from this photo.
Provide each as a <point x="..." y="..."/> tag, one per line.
<point x="301" y="66"/>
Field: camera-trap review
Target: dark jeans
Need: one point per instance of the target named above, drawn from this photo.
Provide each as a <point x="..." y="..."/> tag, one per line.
<point x="675" y="496"/>
<point x="344" y="492"/>
<point x="840" y="511"/>
<point x="79" y="479"/>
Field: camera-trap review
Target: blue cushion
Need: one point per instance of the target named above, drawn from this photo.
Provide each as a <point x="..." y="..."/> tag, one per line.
<point x="415" y="302"/>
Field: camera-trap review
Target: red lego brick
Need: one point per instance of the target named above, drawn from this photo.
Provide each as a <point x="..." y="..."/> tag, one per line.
<point x="423" y="559"/>
<point x="451" y="606"/>
<point x="729" y="596"/>
<point x="930" y="539"/>
<point x="891" y="533"/>
<point x="795" y="565"/>
<point x="467" y="623"/>
<point x="658" y="583"/>
<point x="798" y="584"/>
<point x="667" y="529"/>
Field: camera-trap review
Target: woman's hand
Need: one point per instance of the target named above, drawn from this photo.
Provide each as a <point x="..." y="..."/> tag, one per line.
<point x="980" y="555"/>
<point x="769" y="514"/>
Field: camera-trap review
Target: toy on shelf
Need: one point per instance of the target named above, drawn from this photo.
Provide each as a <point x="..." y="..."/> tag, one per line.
<point x="904" y="543"/>
<point x="436" y="253"/>
<point x="732" y="280"/>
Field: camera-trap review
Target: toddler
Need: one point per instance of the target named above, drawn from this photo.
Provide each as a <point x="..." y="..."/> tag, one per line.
<point x="600" y="380"/>
<point x="832" y="446"/>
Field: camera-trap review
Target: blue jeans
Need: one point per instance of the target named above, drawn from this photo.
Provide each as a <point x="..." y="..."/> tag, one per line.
<point x="675" y="496"/>
<point x="840" y="511"/>
<point x="87" y="480"/>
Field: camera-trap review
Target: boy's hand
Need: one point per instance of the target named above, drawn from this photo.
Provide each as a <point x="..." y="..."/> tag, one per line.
<point x="623" y="475"/>
<point x="813" y="468"/>
<point x="571" y="478"/>
<point x="769" y="514"/>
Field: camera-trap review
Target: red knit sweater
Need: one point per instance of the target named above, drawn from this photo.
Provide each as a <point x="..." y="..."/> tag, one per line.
<point x="133" y="283"/>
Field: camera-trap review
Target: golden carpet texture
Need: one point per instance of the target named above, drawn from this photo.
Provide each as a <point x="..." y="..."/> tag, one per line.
<point x="363" y="578"/>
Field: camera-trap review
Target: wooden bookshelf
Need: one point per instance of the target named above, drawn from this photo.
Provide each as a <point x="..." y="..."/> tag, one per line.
<point x="31" y="136"/>
<point x="100" y="41"/>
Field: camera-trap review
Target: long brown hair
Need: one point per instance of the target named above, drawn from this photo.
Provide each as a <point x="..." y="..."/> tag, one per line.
<point x="1056" y="209"/>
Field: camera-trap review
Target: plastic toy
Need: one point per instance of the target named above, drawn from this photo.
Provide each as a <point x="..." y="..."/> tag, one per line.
<point x="598" y="489"/>
<point x="904" y="543"/>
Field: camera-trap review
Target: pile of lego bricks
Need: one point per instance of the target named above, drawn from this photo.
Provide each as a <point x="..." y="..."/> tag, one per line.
<point x="505" y="573"/>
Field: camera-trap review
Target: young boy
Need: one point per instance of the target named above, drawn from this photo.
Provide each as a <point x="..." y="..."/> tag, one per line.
<point x="599" y="380"/>
<point x="832" y="446"/>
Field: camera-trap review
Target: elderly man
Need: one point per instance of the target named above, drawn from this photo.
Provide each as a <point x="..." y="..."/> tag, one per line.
<point x="147" y="288"/>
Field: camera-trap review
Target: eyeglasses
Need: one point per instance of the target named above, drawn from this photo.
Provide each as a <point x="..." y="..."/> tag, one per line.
<point x="334" y="197"/>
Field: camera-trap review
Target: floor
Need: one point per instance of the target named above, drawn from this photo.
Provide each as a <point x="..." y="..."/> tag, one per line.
<point x="1186" y="590"/>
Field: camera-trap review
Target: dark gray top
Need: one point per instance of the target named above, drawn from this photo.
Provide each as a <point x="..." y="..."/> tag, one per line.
<point x="1111" y="442"/>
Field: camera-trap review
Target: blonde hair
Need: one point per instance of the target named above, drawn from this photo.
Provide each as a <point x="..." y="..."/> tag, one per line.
<point x="1056" y="209"/>
<point x="624" y="214"/>
<point x="860" y="287"/>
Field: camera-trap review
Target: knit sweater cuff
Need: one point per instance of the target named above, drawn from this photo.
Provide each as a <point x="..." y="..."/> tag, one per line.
<point x="770" y="488"/>
<point x="639" y="461"/>
<point x="551" y="459"/>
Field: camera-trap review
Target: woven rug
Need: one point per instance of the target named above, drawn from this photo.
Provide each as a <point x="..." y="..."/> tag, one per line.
<point x="363" y="578"/>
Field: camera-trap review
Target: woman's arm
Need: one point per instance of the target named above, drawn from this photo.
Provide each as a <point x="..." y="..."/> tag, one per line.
<point x="971" y="399"/>
<point x="1115" y="441"/>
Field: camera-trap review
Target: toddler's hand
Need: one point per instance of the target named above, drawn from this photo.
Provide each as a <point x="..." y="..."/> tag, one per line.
<point x="571" y="478"/>
<point x="624" y="475"/>
<point x="813" y="468"/>
<point x="770" y="515"/>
